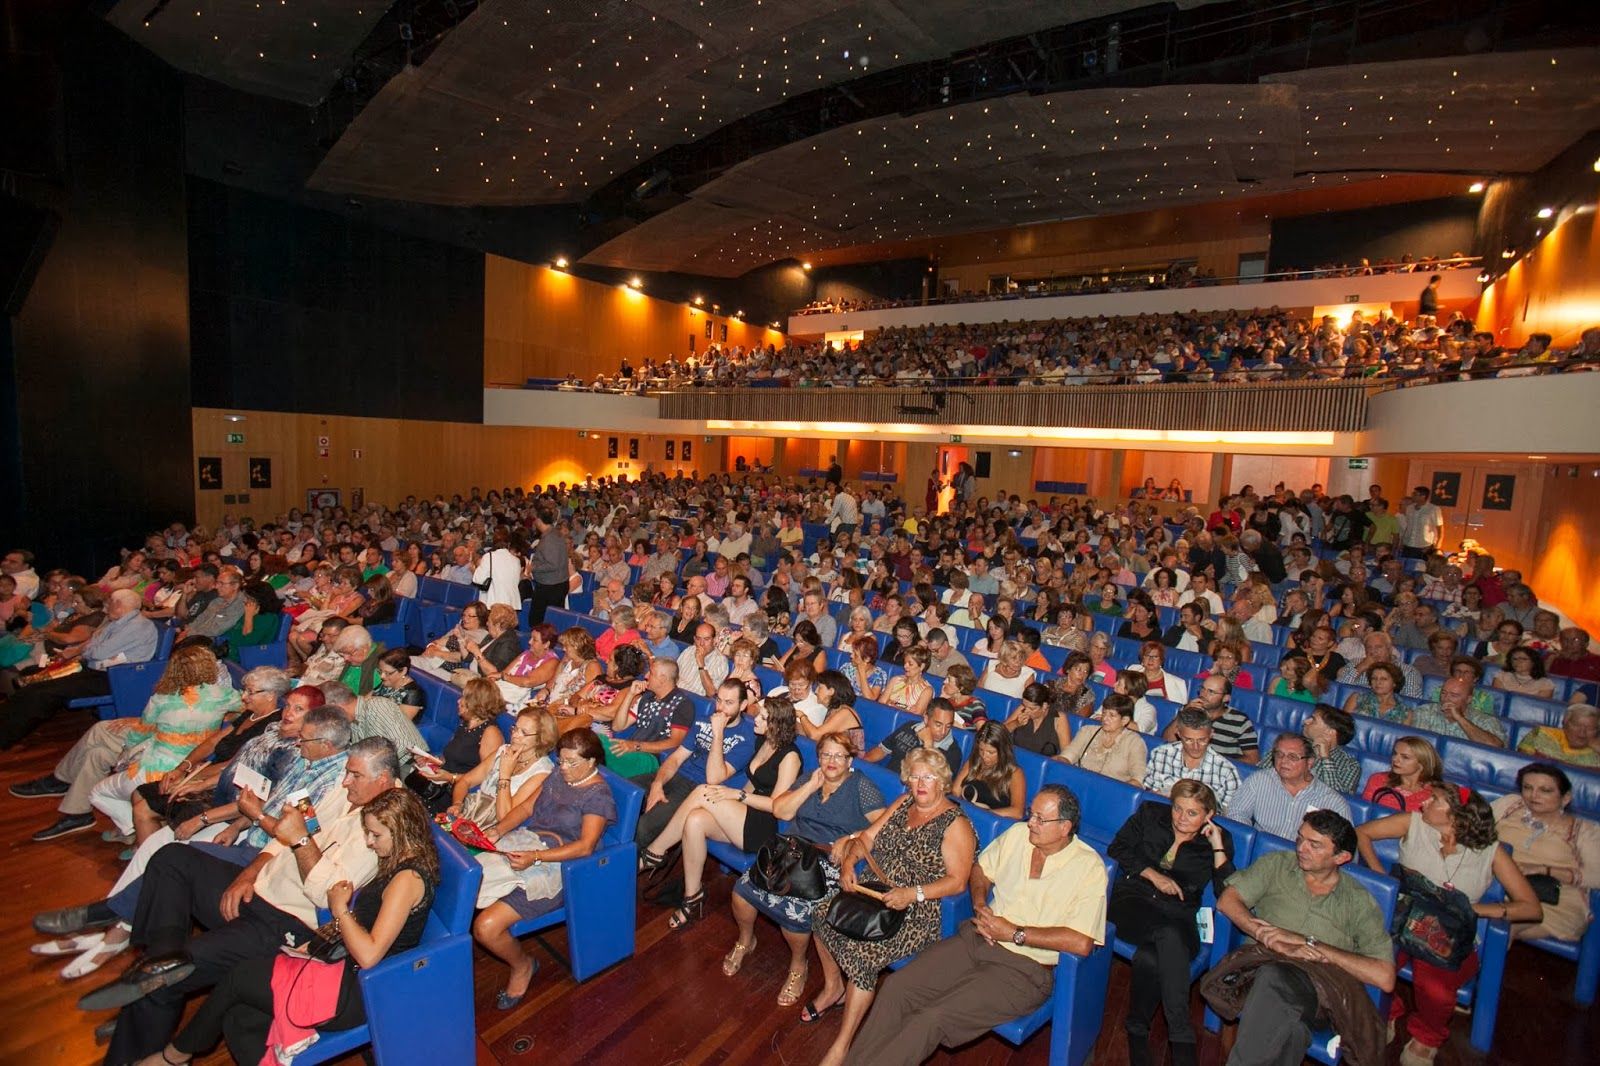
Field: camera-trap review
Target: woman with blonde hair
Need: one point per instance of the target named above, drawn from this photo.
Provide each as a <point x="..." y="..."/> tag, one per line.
<point x="475" y="740"/>
<point x="911" y="690"/>
<point x="1414" y="767"/>
<point x="1009" y="673"/>
<point x="579" y="666"/>
<point x="497" y="793"/>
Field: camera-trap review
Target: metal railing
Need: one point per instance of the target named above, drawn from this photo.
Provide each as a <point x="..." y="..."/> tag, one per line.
<point x="1337" y="406"/>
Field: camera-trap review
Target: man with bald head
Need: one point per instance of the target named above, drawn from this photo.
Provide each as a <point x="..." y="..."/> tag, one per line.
<point x="1451" y="714"/>
<point x="126" y="636"/>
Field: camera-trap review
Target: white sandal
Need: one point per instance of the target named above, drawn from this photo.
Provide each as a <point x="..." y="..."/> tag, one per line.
<point x="93" y="959"/>
<point x="72" y="945"/>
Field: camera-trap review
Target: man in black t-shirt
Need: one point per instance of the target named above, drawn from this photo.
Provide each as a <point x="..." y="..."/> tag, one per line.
<point x="933" y="732"/>
<point x="659" y="712"/>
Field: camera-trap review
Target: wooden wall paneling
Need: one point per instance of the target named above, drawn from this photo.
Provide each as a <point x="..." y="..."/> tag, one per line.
<point x="1567" y="570"/>
<point x="1554" y="289"/>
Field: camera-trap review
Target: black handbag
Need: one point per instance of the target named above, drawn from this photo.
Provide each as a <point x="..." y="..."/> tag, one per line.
<point x="483" y="586"/>
<point x="1431" y="922"/>
<point x="861" y="917"/>
<point x="791" y="866"/>
<point x="1546" y="888"/>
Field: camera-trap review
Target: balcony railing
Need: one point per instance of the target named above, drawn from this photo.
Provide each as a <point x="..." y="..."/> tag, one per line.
<point x="1328" y="406"/>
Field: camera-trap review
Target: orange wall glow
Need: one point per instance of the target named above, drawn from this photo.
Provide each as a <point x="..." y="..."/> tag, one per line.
<point x="1566" y="572"/>
<point x="542" y="322"/>
<point x="1554" y="289"/>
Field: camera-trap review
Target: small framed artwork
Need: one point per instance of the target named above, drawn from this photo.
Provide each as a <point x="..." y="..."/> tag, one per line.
<point x="1498" y="491"/>
<point x="260" y="472"/>
<point x="317" y="499"/>
<point x="724" y="333"/>
<point x="633" y="447"/>
<point x="672" y="447"/>
<point x="210" y="470"/>
<point x="611" y="447"/>
<point x="687" y="445"/>
<point x="358" y="498"/>
<point x="1446" y="488"/>
<point x="710" y="325"/>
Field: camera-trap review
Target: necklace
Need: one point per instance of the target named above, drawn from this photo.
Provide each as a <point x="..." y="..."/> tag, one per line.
<point x="586" y="777"/>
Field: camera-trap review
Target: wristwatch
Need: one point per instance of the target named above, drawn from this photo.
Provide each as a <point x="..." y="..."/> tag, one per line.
<point x="1020" y="937"/>
<point x="921" y="897"/>
<point x="1311" y="941"/>
<point x="302" y="842"/>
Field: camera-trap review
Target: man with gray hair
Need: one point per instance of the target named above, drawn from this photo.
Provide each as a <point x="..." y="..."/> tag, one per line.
<point x="376" y="716"/>
<point x="126" y="636"/>
<point x="222" y="613"/>
<point x="245" y="914"/>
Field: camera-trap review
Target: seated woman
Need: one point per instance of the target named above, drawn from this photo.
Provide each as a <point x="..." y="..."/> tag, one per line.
<point x="1524" y="675"/>
<point x="1382" y="698"/>
<point x="445" y="656"/>
<point x="494" y="656"/>
<point x="1557" y="849"/>
<point x="838" y="698"/>
<point x="743" y="654"/>
<point x="1101" y="668"/>
<point x="344" y="600"/>
<point x="863" y="671"/>
<point x="960" y="687"/>
<point x="912" y="690"/>
<point x="902" y="635"/>
<point x="1131" y="684"/>
<point x="995" y="635"/>
<point x="528" y="675"/>
<point x="1226" y="658"/>
<point x="475" y="740"/>
<point x="991" y="778"/>
<point x="740" y="816"/>
<point x="1158" y="683"/>
<point x="1066" y="633"/>
<point x="1112" y="746"/>
<point x="381" y="605"/>
<point x="387" y="917"/>
<point x="828" y="808"/>
<point x="1166" y="854"/>
<point x="1576" y="742"/>
<point x="857" y="624"/>
<point x="1009" y="673"/>
<point x="186" y="707"/>
<point x="686" y="620"/>
<point x="566" y="821"/>
<point x="596" y="700"/>
<point x="1453" y="843"/>
<point x="1296" y="680"/>
<point x="622" y="631"/>
<point x="396" y="683"/>
<point x="1414" y="768"/>
<point x="258" y="626"/>
<point x="497" y="793"/>
<point x="1036" y="725"/>
<point x="924" y="846"/>
<point x="579" y="666"/>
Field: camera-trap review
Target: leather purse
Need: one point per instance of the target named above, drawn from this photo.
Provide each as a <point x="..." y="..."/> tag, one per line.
<point x="1546" y="888"/>
<point x="792" y="866"/>
<point x="1432" y="922"/>
<point x="861" y="917"/>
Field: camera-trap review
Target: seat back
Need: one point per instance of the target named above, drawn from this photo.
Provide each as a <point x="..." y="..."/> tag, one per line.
<point x="629" y="798"/>
<point x="456" y="899"/>
<point x="1104" y="803"/>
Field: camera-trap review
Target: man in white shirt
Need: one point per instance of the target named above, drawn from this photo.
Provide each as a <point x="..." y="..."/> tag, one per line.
<point x="702" y="667"/>
<point x="1422" y="525"/>
<point x="737" y="602"/>
<point x="1247" y="614"/>
<point x="1200" y="589"/>
<point x="18" y="563"/>
<point x="844" y="515"/>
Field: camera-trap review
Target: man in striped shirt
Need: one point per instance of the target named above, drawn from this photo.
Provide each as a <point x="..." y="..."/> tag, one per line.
<point x="1191" y="755"/>
<point x="1277" y="798"/>
<point x="1233" y="735"/>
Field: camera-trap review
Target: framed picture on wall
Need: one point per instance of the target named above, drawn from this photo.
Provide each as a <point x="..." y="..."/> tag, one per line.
<point x="1446" y="488"/>
<point x="611" y="447"/>
<point x="710" y="325"/>
<point x="210" y="471"/>
<point x="1498" y="491"/>
<point x="686" y="446"/>
<point x="317" y="499"/>
<point x="672" y="448"/>
<point x="260" y="472"/>
<point x="633" y="447"/>
<point x="724" y="333"/>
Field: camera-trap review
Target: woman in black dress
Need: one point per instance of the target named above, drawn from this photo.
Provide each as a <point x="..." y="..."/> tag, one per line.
<point x="991" y="778"/>
<point x="1037" y="725"/>
<point x="740" y="816"/>
<point x="1167" y="855"/>
<point x="475" y="739"/>
<point x="396" y="683"/>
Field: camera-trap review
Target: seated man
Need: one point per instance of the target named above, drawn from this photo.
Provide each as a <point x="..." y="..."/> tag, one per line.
<point x="1376" y="647"/>
<point x="932" y="732"/>
<point x="1301" y="909"/>
<point x="659" y="715"/>
<point x="942" y="655"/>
<point x="1329" y="729"/>
<point x="377" y="716"/>
<point x="1049" y="897"/>
<point x="715" y="752"/>
<point x="701" y="667"/>
<point x="126" y="636"/>
<point x="1235" y="735"/>
<point x="1275" y="798"/>
<point x="1193" y="756"/>
<point x="245" y="914"/>
<point x="1572" y="657"/>
<point x="1451" y="713"/>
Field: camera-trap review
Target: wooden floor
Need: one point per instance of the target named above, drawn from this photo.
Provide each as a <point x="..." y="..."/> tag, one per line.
<point x="668" y="1005"/>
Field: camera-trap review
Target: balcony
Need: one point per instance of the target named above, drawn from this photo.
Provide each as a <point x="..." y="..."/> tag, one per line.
<point x="1269" y="407"/>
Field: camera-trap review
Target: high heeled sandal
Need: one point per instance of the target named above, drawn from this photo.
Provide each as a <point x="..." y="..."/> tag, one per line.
<point x="649" y="860"/>
<point x="793" y="986"/>
<point x="691" y="910"/>
<point x="733" y="961"/>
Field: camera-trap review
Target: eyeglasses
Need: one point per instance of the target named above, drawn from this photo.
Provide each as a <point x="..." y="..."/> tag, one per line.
<point x="304" y="740"/>
<point x="926" y="779"/>
<point x="1035" y="818"/>
<point x="569" y="764"/>
<point x="1285" y="756"/>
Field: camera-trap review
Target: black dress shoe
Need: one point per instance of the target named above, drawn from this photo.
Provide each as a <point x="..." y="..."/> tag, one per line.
<point x="40" y="788"/>
<point x="69" y="921"/>
<point x="66" y="825"/>
<point x="156" y="972"/>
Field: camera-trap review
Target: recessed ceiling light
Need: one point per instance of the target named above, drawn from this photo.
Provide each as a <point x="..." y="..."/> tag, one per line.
<point x="1546" y="212"/>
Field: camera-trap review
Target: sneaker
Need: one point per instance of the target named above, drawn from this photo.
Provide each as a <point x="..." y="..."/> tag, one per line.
<point x="66" y="825"/>
<point x="111" y="836"/>
<point x="40" y="788"/>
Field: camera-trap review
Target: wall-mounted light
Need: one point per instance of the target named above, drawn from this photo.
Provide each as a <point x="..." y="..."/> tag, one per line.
<point x="699" y="301"/>
<point x="1547" y="212"/>
<point x="636" y="282"/>
<point x="1509" y="253"/>
<point x="1483" y="277"/>
<point x="1476" y="186"/>
<point x="806" y="265"/>
<point x="233" y="418"/>
<point x="561" y="262"/>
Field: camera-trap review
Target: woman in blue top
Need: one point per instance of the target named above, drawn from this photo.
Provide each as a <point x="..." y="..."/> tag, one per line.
<point x="828" y="808"/>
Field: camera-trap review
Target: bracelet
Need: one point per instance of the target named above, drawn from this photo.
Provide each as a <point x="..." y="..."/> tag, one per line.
<point x="204" y="821"/>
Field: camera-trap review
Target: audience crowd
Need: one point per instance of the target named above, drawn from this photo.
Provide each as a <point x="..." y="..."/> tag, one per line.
<point x="248" y="800"/>
<point x="1226" y="347"/>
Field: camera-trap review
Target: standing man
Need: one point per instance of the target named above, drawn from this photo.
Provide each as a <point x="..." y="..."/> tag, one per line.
<point x="1049" y="897"/>
<point x="835" y="472"/>
<point x="1422" y="525"/>
<point x="549" y="565"/>
<point x="499" y="574"/>
<point x="1428" y="303"/>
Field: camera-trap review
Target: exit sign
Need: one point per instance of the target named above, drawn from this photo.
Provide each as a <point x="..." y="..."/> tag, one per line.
<point x="235" y="438"/>
<point x="1360" y="464"/>
<point x="955" y="438"/>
